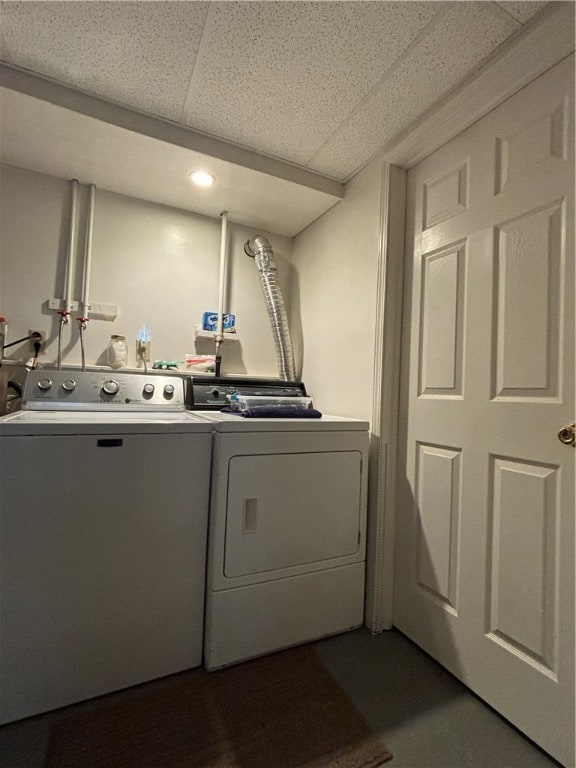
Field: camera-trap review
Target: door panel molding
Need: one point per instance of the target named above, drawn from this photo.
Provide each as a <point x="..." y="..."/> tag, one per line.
<point x="527" y="330"/>
<point x="437" y="513"/>
<point x="442" y="299"/>
<point x="522" y="595"/>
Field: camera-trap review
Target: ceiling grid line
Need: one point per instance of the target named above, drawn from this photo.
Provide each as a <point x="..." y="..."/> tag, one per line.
<point x="204" y="43"/>
<point x="456" y="46"/>
<point x="5" y="54"/>
<point x="501" y="9"/>
<point x="280" y="76"/>
<point x="390" y="71"/>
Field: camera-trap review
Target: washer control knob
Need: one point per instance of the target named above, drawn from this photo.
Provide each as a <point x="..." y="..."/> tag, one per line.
<point x="69" y="385"/>
<point x="110" y="387"/>
<point x="44" y="384"/>
<point x="215" y="393"/>
<point x="168" y="390"/>
<point x="148" y="389"/>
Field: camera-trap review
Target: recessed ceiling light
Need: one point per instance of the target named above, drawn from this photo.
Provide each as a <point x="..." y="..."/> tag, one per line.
<point x="202" y="178"/>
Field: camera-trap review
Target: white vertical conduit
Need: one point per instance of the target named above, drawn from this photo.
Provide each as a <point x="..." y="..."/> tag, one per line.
<point x="69" y="279"/>
<point x="88" y="254"/>
<point x="85" y="304"/>
<point x="69" y="286"/>
<point x="221" y="289"/>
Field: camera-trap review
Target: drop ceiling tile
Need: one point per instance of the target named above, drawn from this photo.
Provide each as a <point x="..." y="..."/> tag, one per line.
<point x="453" y="48"/>
<point x="523" y="10"/>
<point x="280" y="76"/>
<point x="138" y="53"/>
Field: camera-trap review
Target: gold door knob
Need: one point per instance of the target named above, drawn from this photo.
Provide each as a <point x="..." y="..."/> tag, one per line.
<point x="567" y="434"/>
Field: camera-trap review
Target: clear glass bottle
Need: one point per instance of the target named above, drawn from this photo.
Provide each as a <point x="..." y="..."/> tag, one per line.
<point x="117" y="352"/>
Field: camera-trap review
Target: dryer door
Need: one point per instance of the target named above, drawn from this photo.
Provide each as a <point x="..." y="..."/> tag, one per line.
<point x="291" y="509"/>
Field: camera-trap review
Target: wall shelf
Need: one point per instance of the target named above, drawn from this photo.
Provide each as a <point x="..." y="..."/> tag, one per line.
<point x="199" y="333"/>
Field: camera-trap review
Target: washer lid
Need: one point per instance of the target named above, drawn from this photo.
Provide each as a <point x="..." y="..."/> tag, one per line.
<point x="102" y="422"/>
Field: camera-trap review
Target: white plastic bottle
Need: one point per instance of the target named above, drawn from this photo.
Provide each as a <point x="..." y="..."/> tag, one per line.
<point x="117" y="352"/>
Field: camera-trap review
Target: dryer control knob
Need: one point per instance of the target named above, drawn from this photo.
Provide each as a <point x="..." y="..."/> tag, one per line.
<point x="148" y="389"/>
<point x="110" y="387"/>
<point x="69" y="385"/>
<point x="44" y="384"/>
<point x="168" y="390"/>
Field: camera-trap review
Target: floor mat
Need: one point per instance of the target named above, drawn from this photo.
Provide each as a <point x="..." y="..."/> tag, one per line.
<point x="279" y="711"/>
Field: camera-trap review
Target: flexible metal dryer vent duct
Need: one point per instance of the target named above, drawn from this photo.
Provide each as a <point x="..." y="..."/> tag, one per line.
<point x="260" y="249"/>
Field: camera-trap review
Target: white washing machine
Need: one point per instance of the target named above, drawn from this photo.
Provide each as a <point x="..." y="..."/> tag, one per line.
<point x="287" y="540"/>
<point x="103" y="527"/>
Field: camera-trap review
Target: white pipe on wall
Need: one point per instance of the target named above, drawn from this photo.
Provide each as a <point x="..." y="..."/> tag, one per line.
<point x="69" y="278"/>
<point x="84" y="305"/>
<point x="222" y="278"/>
<point x="69" y="282"/>
<point x="88" y="254"/>
<point x="221" y="289"/>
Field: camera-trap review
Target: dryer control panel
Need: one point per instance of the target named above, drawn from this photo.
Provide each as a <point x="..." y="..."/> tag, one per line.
<point x="212" y="393"/>
<point x="74" y="390"/>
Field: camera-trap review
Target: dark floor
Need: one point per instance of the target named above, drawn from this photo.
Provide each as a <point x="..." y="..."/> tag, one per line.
<point x="425" y="716"/>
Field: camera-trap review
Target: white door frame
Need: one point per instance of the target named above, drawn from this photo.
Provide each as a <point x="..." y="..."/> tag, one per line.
<point x="543" y="43"/>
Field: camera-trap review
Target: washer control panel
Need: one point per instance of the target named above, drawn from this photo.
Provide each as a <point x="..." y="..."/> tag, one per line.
<point x="102" y="391"/>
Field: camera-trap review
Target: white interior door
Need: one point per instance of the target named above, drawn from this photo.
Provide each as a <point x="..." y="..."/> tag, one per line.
<point x="484" y="577"/>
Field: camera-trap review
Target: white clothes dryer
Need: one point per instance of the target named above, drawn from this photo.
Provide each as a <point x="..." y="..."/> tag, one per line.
<point x="103" y="527"/>
<point x="287" y="538"/>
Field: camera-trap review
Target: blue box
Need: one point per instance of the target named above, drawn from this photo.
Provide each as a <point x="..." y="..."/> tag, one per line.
<point x="210" y="322"/>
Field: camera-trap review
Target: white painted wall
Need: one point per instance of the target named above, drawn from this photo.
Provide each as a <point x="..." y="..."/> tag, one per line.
<point x="159" y="264"/>
<point x="333" y="309"/>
